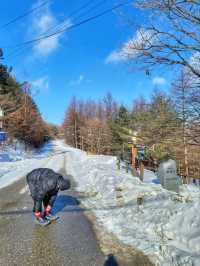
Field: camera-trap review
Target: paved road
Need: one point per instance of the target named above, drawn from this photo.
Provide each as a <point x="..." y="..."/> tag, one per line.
<point x="69" y="241"/>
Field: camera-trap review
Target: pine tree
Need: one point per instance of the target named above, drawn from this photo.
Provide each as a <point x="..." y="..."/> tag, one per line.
<point x="154" y="122"/>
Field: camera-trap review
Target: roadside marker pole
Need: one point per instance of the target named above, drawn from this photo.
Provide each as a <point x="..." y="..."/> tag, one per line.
<point x="134" y="155"/>
<point x="141" y="167"/>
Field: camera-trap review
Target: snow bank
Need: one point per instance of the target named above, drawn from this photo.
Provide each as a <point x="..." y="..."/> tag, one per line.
<point x="166" y="226"/>
<point x="19" y="170"/>
<point x="163" y="224"/>
<point x="48" y="156"/>
<point x="17" y="152"/>
<point x="13" y="152"/>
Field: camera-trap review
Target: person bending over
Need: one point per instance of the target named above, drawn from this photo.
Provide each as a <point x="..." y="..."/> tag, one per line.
<point x="44" y="185"/>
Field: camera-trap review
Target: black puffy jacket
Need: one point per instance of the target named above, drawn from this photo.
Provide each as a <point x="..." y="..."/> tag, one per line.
<point x="43" y="181"/>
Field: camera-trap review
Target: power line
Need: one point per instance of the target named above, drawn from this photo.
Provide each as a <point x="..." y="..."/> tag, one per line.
<point x="27" y="13"/>
<point x="53" y="35"/>
<point x="74" y="25"/>
<point x="71" y="15"/>
<point x="63" y="25"/>
<point x="59" y="26"/>
<point x="81" y="8"/>
<point x="92" y="8"/>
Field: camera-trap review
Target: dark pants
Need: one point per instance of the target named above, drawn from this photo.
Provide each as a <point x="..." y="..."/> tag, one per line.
<point x="47" y="200"/>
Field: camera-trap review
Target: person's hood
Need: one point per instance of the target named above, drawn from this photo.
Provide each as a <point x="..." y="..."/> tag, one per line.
<point x="63" y="184"/>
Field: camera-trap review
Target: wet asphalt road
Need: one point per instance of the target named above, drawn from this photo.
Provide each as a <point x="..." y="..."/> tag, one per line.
<point x="70" y="241"/>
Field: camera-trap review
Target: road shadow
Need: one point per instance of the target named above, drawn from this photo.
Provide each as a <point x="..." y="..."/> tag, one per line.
<point x="111" y="261"/>
<point x="63" y="201"/>
<point x="70" y="203"/>
<point x="15" y="212"/>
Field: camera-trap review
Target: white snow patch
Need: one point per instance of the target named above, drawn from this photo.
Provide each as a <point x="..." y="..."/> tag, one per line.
<point x="166" y="227"/>
<point x="24" y="190"/>
<point x="50" y="156"/>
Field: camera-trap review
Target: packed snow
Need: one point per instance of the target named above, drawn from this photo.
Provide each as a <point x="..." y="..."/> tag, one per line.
<point x="166" y="226"/>
<point x="162" y="224"/>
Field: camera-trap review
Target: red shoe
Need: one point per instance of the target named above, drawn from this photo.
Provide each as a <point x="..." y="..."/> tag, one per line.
<point x="40" y="219"/>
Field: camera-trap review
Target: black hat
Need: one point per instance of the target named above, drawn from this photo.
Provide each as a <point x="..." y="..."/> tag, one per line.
<point x="63" y="184"/>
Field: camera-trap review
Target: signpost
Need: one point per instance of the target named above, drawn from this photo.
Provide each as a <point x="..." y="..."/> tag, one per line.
<point x="134" y="155"/>
<point x="3" y="135"/>
<point x="137" y="155"/>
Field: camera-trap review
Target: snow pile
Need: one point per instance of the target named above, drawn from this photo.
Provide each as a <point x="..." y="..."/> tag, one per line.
<point x="12" y="152"/>
<point x="163" y="224"/>
<point x="17" y="152"/>
<point x="48" y="156"/>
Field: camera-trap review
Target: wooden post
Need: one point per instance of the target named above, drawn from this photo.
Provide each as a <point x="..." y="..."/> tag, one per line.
<point x="82" y="146"/>
<point x="134" y="154"/>
<point x="141" y="167"/>
<point x="127" y="166"/>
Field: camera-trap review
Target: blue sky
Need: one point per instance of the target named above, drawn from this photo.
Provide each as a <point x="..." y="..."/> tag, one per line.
<point x="82" y="62"/>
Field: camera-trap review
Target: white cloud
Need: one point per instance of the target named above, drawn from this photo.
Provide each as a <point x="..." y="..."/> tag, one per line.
<point x="159" y="81"/>
<point x="115" y="56"/>
<point x="44" y="23"/>
<point x="79" y="81"/>
<point x="129" y="49"/>
<point x="41" y="84"/>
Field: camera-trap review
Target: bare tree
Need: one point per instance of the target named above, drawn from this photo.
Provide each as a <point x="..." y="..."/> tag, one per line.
<point x="85" y="125"/>
<point x="71" y="123"/>
<point x="110" y="105"/>
<point x="171" y="36"/>
<point x="187" y="105"/>
<point x="181" y="95"/>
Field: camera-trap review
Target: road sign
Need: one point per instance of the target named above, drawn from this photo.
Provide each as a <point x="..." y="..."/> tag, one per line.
<point x="3" y="136"/>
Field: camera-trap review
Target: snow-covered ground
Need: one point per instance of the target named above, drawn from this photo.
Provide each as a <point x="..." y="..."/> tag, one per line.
<point x="166" y="226"/>
<point x="12" y="169"/>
